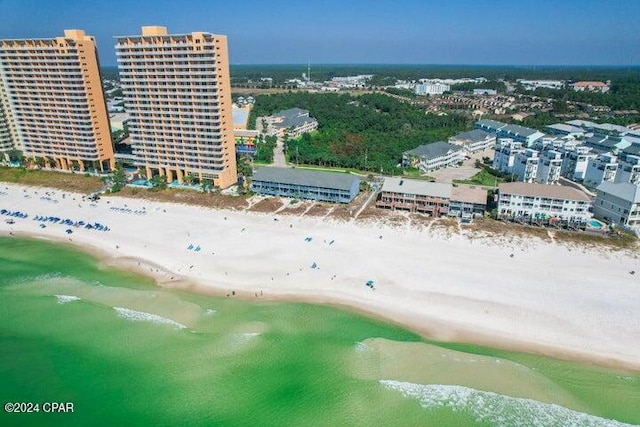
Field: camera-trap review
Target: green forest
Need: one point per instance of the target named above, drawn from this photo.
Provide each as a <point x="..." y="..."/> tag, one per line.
<point x="368" y="132"/>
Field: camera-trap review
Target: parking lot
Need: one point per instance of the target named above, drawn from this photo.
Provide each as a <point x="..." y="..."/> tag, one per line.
<point x="467" y="170"/>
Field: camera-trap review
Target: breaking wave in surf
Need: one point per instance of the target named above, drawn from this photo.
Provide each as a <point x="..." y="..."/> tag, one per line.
<point x="63" y="299"/>
<point x="141" y="316"/>
<point x="497" y="409"/>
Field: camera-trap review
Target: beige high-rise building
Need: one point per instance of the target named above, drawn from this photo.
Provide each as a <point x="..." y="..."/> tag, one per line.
<point x="7" y="126"/>
<point x="177" y="92"/>
<point x="54" y="105"/>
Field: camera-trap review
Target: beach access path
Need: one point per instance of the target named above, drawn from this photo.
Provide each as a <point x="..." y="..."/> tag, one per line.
<point x="513" y="293"/>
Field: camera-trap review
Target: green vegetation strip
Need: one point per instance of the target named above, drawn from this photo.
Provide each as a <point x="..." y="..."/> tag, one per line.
<point x="484" y="177"/>
<point x="77" y="182"/>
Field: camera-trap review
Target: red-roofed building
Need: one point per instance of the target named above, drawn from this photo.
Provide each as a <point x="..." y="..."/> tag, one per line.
<point x="591" y="86"/>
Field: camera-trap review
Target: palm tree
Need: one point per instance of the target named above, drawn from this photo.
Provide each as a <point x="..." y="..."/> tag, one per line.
<point x="189" y="179"/>
<point x="206" y="185"/>
<point x="159" y="182"/>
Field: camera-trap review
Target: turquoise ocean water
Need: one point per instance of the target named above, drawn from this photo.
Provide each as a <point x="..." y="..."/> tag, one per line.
<point x="126" y="352"/>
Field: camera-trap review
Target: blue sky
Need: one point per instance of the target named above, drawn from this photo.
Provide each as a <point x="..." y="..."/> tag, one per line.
<point x="519" y="32"/>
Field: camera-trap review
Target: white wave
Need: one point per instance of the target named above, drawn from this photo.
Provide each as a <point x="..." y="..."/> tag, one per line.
<point x="497" y="409"/>
<point x="242" y="338"/>
<point x="63" y="299"/>
<point x="127" y="313"/>
<point x="360" y="346"/>
<point x="248" y="336"/>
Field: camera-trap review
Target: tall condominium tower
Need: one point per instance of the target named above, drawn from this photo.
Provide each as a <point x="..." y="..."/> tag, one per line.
<point x="7" y="127"/>
<point x="54" y="105"/>
<point x="177" y="92"/>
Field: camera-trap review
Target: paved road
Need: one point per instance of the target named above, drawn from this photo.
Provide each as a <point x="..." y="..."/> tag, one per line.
<point x="278" y="156"/>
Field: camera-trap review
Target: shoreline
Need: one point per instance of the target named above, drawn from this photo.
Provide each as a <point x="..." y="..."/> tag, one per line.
<point x="437" y="332"/>
<point x="436" y="313"/>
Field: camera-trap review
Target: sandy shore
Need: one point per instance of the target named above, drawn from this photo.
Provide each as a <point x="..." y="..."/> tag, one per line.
<point x="523" y="295"/>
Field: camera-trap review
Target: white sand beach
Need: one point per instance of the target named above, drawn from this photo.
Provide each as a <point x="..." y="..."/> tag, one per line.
<point x="547" y="298"/>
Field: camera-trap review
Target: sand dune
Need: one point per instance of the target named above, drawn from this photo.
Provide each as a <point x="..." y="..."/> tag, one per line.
<point x="546" y="298"/>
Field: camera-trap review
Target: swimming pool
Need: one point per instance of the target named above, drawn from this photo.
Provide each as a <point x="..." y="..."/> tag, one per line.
<point x="595" y="224"/>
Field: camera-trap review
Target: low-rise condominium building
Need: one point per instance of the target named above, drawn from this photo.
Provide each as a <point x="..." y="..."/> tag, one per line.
<point x="296" y="183"/>
<point x="629" y="165"/>
<point x="474" y="140"/>
<point x="430" y="157"/>
<point x="432" y="198"/>
<point x="529" y="201"/>
<point x="619" y="204"/>
<point x="293" y="122"/>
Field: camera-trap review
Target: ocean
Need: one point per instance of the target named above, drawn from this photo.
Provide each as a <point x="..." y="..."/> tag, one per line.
<point x="126" y="352"/>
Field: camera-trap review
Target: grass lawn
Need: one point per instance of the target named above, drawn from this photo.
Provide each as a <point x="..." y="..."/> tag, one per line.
<point x="77" y="182"/>
<point x="414" y="173"/>
<point x="481" y="178"/>
<point x="334" y="169"/>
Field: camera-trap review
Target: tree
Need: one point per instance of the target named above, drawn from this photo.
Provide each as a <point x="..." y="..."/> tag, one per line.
<point x="118" y="178"/>
<point x="207" y="185"/>
<point x="243" y="166"/>
<point x="158" y="182"/>
<point x="117" y="136"/>
<point x="285" y="139"/>
<point x="189" y="179"/>
<point x="15" y="156"/>
<point x="560" y="106"/>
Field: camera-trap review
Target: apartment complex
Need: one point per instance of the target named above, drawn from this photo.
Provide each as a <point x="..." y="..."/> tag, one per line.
<point x="52" y="104"/>
<point x="177" y="91"/>
<point x="629" y="169"/>
<point x="619" y="203"/>
<point x="412" y="195"/>
<point x="504" y="158"/>
<point x="590" y="87"/>
<point x="474" y="140"/>
<point x="306" y="184"/>
<point x="432" y="89"/>
<point x="527" y="202"/>
<point x="293" y="122"/>
<point x="430" y="157"/>
<point x="432" y="198"/>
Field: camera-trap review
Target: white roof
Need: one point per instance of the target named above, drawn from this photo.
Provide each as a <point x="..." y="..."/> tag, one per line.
<point x="417" y="187"/>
